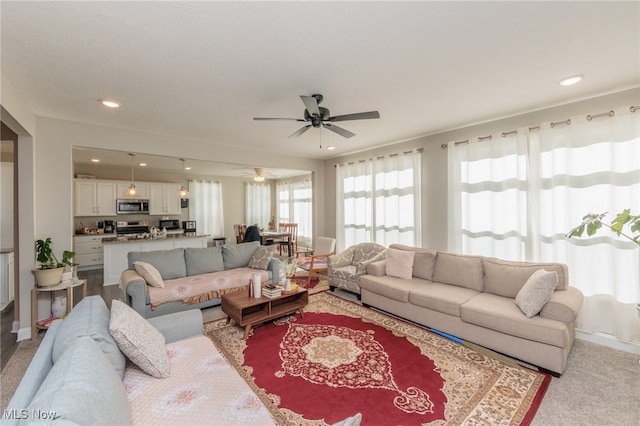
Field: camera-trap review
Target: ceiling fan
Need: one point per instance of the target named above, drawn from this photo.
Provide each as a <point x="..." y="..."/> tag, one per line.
<point x="258" y="176"/>
<point x="319" y="116"/>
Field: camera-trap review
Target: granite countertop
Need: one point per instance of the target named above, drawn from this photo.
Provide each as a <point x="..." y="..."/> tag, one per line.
<point x="6" y="250"/>
<point x="139" y="240"/>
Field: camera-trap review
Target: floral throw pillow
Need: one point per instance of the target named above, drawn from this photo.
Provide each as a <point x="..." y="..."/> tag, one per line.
<point x="138" y="340"/>
<point x="262" y="257"/>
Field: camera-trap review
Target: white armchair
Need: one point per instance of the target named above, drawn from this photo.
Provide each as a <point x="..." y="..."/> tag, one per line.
<point x="345" y="268"/>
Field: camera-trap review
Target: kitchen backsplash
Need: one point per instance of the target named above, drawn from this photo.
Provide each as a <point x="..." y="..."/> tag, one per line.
<point x="91" y="222"/>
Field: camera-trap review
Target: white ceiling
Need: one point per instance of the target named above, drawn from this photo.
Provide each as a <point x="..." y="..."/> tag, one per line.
<point x="203" y="70"/>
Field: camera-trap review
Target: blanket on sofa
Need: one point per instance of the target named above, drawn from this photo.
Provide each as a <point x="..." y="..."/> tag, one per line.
<point x="203" y="287"/>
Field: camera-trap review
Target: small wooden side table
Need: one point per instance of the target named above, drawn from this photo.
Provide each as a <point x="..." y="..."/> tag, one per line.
<point x="68" y="286"/>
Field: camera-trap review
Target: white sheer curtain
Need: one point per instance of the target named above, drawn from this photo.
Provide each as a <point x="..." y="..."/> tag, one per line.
<point x="205" y="207"/>
<point x="379" y="200"/>
<point x="569" y="169"/>
<point x="258" y="204"/>
<point x="295" y="206"/>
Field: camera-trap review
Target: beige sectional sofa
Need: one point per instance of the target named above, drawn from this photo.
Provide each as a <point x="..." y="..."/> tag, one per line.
<point x="474" y="298"/>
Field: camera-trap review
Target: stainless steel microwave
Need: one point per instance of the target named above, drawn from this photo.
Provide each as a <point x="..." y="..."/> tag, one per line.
<point x="126" y="206"/>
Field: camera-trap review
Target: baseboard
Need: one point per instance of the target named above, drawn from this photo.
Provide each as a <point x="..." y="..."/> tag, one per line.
<point x="609" y="341"/>
<point x="24" y="334"/>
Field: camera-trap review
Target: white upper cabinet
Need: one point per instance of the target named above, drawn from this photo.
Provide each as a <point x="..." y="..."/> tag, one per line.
<point x="95" y="198"/>
<point x="164" y="199"/>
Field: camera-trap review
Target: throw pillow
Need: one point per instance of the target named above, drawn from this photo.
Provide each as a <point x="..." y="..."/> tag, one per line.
<point x="536" y="292"/>
<point x="400" y="263"/>
<point x="262" y="257"/>
<point x="139" y="340"/>
<point x="150" y="274"/>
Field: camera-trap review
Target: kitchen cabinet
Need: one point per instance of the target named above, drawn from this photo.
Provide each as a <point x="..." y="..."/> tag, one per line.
<point x="88" y="249"/>
<point x="7" y="282"/>
<point x="142" y="191"/>
<point x="95" y="197"/>
<point x="115" y="252"/>
<point x="164" y="199"/>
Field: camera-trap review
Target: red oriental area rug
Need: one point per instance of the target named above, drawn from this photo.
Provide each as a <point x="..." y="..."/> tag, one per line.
<point x="318" y="283"/>
<point x="342" y="358"/>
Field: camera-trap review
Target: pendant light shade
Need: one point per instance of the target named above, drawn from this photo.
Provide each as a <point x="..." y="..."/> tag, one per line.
<point x="131" y="190"/>
<point x="183" y="193"/>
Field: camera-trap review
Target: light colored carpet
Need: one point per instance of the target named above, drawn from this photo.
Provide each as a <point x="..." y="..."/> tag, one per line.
<point x="601" y="385"/>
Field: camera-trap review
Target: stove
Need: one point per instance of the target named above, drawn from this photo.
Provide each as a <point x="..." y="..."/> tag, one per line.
<point x="132" y="229"/>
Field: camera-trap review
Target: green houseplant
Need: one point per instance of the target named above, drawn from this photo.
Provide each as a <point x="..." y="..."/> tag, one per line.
<point x="49" y="271"/>
<point x="592" y="222"/>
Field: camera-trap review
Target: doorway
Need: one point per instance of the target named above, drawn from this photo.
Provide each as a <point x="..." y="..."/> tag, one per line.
<point x="8" y="241"/>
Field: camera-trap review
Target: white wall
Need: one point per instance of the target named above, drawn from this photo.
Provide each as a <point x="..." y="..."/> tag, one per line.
<point x="434" y="159"/>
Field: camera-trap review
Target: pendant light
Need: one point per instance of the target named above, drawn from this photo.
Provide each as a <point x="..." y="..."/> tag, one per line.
<point x="183" y="193"/>
<point x="131" y="190"/>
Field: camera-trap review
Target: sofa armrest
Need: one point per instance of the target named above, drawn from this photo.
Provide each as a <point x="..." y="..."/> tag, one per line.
<point x="361" y="268"/>
<point x="179" y="325"/>
<point x="135" y="294"/>
<point x="378" y="268"/>
<point x="564" y="305"/>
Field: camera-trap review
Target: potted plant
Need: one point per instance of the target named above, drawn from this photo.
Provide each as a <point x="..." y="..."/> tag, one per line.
<point x="50" y="269"/>
<point x="592" y="222"/>
<point x="68" y="265"/>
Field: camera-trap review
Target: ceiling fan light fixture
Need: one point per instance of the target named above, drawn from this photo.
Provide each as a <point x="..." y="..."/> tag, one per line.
<point x="259" y="177"/>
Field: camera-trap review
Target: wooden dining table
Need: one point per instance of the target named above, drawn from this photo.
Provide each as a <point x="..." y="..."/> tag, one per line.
<point x="276" y="235"/>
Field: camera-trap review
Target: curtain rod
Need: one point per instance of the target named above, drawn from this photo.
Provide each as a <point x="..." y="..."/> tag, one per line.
<point x="203" y="181"/>
<point x="567" y="122"/>
<point x="380" y="157"/>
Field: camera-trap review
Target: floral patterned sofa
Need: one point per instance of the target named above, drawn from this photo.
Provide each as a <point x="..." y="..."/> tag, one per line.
<point x="175" y="374"/>
<point x="346" y="268"/>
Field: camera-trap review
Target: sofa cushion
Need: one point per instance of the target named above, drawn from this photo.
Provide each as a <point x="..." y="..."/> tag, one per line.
<point x="82" y="388"/>
<point x="203" y="260"/>
<point x="423" y="262"/>
<point x="139" y="341"/>
<point x="457" y="269"/>
<point x="238" y="255"/>
<point x="262" y="257"/>
<point x="506" y="278"/>
<point x="501" y="314"/>
<point x="440" y="297"/>
<point x="390" y="287"/>
<point x="89" y="318"/>
<point x="400" y="263"/>
<point x="150" y="274"/>
<point x="536" y="292"/>
<point x="170" y="263"/>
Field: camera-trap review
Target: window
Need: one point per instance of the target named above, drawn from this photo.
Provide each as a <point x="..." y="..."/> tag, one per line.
<point x="516" y="197"/>
<point x="295" y="206"/>
<point x="258" y="204"/>
<point x="378" y="200"/>
<point x="205" y="207"/>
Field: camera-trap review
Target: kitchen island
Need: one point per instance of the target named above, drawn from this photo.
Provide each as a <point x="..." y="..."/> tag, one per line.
<point x="115" y="250"/>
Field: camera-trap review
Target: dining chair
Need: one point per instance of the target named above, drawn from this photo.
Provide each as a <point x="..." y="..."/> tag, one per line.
<point x="291" y="243"/>
<point x="239" y="230"/>
<point x="323" y="247"/>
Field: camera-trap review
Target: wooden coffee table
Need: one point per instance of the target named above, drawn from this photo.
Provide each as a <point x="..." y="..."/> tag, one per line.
<point x="248" y="311"/>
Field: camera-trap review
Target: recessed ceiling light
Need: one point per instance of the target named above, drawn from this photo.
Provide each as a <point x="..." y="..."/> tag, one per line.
<point x="111" y="104"/>
<point x="95" y="160"/>
<point x="331" y="148"/>
<point x="187" y="168"/>
<point x="142" y="164"/>
<point x="569" y="81"/>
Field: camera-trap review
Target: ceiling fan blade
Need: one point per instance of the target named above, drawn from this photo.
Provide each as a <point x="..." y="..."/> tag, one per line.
<point x="311" y="104"/>
<point x="339" y="130"/>
<point x="274" y="118"/>
<point x="300" y="131"/>
<point x="357" y="116"/>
